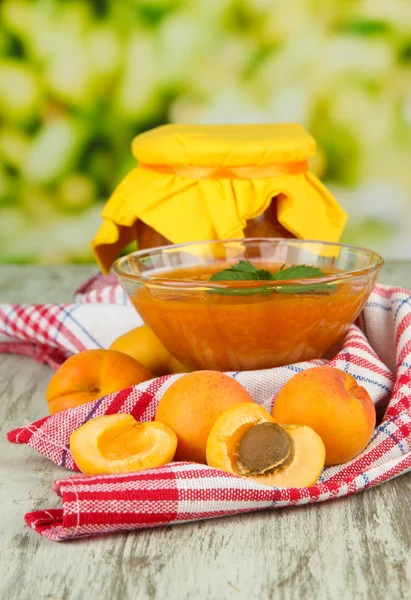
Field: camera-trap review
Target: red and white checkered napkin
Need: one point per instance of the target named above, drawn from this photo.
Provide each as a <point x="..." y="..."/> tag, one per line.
<point x="377" y="353"/>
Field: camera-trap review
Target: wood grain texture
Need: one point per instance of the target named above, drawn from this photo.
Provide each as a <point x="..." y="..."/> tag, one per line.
<point x="357" y="547"/>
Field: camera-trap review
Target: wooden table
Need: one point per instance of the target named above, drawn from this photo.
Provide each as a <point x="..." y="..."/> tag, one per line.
<point x="357" y="547"/>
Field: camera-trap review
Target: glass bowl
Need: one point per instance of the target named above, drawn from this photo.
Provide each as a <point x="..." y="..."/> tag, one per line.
<point x="245" y="325"/>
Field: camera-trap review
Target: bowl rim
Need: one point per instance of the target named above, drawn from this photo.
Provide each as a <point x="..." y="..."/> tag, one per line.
<point x="166" y="282"/>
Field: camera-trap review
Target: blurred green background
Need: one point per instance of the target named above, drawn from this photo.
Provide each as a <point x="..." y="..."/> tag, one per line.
<point x="79" y="79"/>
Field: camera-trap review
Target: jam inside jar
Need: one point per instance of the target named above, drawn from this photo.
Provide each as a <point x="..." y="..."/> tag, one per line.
<point x="267" y="225"/>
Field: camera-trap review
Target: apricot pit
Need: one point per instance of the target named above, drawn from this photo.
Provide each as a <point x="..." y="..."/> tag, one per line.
<point x="265" y="448"/>
<point x="245" y="440"/>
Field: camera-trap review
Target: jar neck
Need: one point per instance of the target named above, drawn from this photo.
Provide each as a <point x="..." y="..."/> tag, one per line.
<point x="220" y="172"/>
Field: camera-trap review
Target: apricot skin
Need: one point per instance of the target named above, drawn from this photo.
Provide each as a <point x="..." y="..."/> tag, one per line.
<point x="191" y="405"/>
<point x="334" y="405"/>
<point x="142" y="344"/>
<point x="119" y="444"/>
<point x="234" y="423"/>
<point x="90" y="375"/>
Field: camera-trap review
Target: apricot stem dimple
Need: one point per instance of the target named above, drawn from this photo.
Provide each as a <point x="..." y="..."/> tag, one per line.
<point x="265" y="448"/>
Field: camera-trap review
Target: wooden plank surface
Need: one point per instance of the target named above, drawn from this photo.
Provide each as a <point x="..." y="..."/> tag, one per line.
<point x="357" y="547"/>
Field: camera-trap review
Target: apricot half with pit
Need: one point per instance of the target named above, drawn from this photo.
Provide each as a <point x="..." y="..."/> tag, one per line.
<point x="246" y="441"/>
<point x="119" y="444"/>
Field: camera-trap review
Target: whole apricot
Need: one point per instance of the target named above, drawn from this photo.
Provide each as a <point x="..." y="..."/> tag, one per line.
<point x="334" y="405"/>
<point x="119" y="444"/>
<point x="90" y="375"/>
<point x="245" y="440"/>
<point x="192" y="404"/>
<point x="142" y="344"/>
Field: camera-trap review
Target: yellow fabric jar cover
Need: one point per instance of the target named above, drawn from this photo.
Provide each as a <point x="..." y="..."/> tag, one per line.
<point x="204" y="182"/>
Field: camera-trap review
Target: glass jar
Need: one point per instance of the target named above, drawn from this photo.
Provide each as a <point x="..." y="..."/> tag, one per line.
<point x="209" y="182"/>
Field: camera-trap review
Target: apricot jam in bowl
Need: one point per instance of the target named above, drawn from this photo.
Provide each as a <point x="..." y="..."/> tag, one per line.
<point x="251" y="303"/>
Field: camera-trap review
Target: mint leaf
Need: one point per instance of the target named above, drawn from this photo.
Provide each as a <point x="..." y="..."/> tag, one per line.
<point x="300" y="272"/>
<point x="296" y="272"/>
<point x="264" y="275"/>
<point x="306" y="289"/>
<point x="246" y="271"/>
<point x="231" y="275"/>
<point x="245" y="266"/>
<point x="241" y="292"/>
<point x="242" y="271"/>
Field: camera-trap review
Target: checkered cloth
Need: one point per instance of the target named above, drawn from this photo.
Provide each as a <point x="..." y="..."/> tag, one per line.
<point x="377" y="352"/>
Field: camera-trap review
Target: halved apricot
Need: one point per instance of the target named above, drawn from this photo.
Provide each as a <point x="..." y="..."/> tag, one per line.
<point x="247" y="441"/>
<point x="119" y="444"/>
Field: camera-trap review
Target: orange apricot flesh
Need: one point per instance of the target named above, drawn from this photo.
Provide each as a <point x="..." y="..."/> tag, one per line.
<point x="119" y="444"/>
<point x="300" y="468"/>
